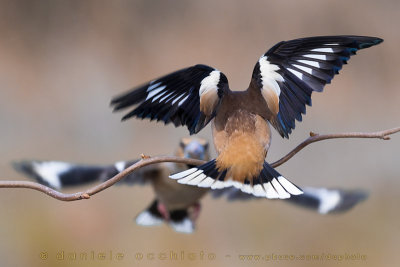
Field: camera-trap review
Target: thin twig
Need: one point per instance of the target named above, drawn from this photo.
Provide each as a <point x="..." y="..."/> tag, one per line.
<point x="100" y="187"/>
<point x="384" y="135"/>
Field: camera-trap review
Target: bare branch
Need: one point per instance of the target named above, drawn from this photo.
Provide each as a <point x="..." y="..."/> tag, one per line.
<point x="146" y="160"/>
<point x="314" y="137"/>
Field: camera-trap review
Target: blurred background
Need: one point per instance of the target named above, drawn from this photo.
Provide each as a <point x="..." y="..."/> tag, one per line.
<point x="61" y="62"/>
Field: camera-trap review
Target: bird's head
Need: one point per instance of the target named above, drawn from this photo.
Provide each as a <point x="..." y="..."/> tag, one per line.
<point x="194" y="148"/>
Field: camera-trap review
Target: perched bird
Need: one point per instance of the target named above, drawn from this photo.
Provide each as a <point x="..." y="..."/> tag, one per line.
<point x="280" y="88"/>
<point x="175" y="204"/>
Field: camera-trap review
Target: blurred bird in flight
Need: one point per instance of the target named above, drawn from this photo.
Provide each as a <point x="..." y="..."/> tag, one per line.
<point x="176" y="204"/>
<point x="281" y="85"/>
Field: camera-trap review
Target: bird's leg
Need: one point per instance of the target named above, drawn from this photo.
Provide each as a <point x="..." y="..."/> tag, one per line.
<point x="194" y="211"/>
<point x="163" y="210"/>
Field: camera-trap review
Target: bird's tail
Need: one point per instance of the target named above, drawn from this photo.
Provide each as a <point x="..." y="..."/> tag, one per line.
<point x="268" y="183"/>
<point x="180" y="220"/>
<point x="59" y="174"/>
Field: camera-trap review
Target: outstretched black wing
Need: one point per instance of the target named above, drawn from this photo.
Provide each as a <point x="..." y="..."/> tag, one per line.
<point x="322" y="200"/>
<point x="186" y="97"/>
<point x="290" y="71"/>
<point x="60" y="174"/>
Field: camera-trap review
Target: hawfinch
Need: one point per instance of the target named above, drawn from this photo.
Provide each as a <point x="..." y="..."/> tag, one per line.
<point x="175" y="204"/>
<point x="281" y="85"/>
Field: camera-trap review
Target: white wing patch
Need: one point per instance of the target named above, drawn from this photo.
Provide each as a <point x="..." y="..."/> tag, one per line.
<point x="162" y="99"/>
<point x="145" y="218"/>
<point x="309" y="62"/>
<point x="269" y="76"/>
<point x="183" y="100"/>
<point x="120" y="166"/>
<point x="155" y="92"/>
<point x="281" y="191"/>
<point x="328" y="199"/>
<point x="308" y="70"/>
<point x="196" y="180"/>
<point x="325" y="49"/>
<point x="208" y="182"/>
<point x="182" y="174"/>
<point x="321" y="57"/>
<point x="152" y="86"/>
<point x="246" y="188"/>
<point x="218" y="185"/>
<point x="50" y="171"/>
<point x="295" y="72"/>
<point x="186" y="226"/>
<point x="270" y="191"/>
<point x="210" y="82"/>
<point x="158" y="96"/>
<point x="176" y="99"/>
<point x="186" y="179"/>
<point x="291" y="188"/>
<point x="259" y="191"/>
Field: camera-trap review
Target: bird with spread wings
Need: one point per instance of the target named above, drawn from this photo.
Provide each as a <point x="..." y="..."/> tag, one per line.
<point x="281" y="85"/>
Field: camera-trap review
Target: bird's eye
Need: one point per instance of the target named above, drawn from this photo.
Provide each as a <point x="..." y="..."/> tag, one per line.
<point x="205" y="146"/>
<point x="182" y="145"/>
